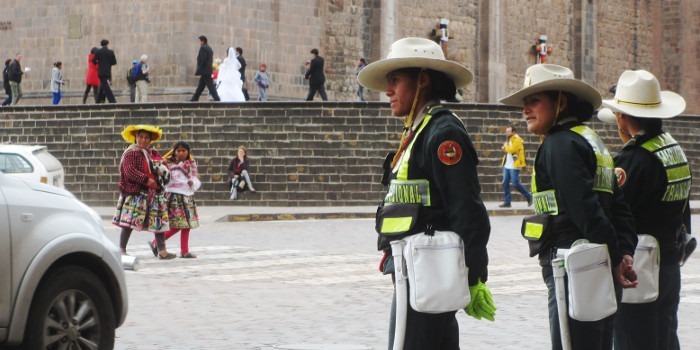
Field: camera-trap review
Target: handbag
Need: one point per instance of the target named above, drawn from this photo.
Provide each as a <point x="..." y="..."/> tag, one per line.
<point x="536" y="230"/>
<point x="591" y="289"/>
<point x="396" y="219"/>
<point x="437" y="272"/>
<point x="646" y="265"/>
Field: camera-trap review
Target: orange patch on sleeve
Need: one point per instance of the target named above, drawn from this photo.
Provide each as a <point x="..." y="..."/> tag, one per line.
<point x="450" y="152"/>
<point x="621" y="176"/>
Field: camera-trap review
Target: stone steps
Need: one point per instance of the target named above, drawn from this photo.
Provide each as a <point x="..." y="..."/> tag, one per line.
<point x="301" y="154"/>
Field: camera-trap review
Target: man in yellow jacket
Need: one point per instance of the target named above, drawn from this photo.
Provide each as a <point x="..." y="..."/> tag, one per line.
<point x="513" y="161"/>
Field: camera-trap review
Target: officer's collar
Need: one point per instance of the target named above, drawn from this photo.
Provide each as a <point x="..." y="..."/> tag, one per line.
<point x="419" y="118"/>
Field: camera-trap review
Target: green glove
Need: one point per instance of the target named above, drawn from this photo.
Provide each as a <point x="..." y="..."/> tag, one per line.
<point x="481" y="304"/>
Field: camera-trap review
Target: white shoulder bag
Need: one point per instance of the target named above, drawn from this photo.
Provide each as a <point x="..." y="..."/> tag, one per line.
<point x="646" y="265"/>
<point x="437" y="272"/>
<point x="591" y="289"/>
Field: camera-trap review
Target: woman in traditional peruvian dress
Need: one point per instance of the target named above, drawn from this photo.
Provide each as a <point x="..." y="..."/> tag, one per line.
<point x="142" y="205"/>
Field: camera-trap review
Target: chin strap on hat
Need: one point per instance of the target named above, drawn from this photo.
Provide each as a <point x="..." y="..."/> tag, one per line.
<point x="408" y="124"/>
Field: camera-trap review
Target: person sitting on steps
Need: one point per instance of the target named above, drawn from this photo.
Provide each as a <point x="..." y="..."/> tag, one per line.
<point x="238" y="177"/>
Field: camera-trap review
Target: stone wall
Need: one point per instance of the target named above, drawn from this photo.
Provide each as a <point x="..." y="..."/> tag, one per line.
<point x="302" y="154"/>
<point x="597" y="39"/>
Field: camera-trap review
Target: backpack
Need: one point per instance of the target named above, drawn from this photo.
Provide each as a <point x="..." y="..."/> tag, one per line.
<point x="130" y="77"/>
<point x="135" y="72"/>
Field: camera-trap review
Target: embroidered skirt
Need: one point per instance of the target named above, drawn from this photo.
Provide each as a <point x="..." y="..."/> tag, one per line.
<point x="134" y="211"/>
<point x="182" y="211"/>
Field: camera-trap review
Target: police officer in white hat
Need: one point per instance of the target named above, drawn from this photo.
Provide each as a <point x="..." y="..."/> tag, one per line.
<point x="653" y="172"/>
<point x="435" y="156"/>
<point x="574" y="191"/>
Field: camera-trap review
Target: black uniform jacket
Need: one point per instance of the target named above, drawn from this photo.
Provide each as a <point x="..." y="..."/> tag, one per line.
<point x="205" y="59"/>
<point x="14" y="71"/>
<point x="105" y="59"/>
<point x="643" y="185"/>
<point x="315" y="73"/>
<point x="566" y="163"/>
<point x="455" y="191"/>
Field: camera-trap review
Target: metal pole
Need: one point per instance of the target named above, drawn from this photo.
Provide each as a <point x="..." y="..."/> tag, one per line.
<point x="560" y="292"/>
<point x="401" y="287"/>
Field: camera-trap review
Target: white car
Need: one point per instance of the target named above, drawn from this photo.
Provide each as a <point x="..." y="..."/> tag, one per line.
<point x="62" y="283"/>
<point x="33" y="163"/>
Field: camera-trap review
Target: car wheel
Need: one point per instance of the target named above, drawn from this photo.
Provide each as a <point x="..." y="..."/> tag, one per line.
<point x="70" y="310"/>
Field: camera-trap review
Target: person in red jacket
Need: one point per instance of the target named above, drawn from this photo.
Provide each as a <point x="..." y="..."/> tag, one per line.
<point x="91" y="79"/>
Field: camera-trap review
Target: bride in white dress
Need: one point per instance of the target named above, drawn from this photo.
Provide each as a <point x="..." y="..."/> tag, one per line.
<point x="229" y="84"/>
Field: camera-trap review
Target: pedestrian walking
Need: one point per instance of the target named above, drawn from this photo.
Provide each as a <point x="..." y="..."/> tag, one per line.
<point x="142" y="205"/>
<point x="179" y="192"/>
<point x="316" y="76"/>
<point x="654" y="175"/>
<point x="241" y="60"/>
<point x="262" y="79"/>
<point x="205" y="61"/>
<point x="92" y="81"/>
<point x="574" y="192"/>
<point x="436" y="162"/>
<point x="6" y="82"/>
<point x="141" y="76"/>
<point x="131" y="80"/>
<point x="105" y="59"/>
<point x="513" y="162"/>
<point x="14" y="75"/>
<point x="361" y="64"/>
<point x="56" y="82"/>
<point x="229" y="85"/>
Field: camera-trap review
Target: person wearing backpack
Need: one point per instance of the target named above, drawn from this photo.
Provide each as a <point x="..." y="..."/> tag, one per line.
<point x="141" y="79"/>
<point x="131" y="81"/>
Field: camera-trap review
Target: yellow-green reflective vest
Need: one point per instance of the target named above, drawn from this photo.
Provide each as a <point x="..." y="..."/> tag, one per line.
<point x="546" y="201"/>
<point x="669" y="152"/>
<point x="405" y="191"/>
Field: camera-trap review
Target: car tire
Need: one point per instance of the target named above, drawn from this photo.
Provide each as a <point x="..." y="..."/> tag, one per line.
<point x="71" y="305"/>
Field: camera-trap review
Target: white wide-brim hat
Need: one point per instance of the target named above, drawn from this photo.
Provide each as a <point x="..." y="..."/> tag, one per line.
<point x="605" y="115"/>
<point x="413" y="53"/>
<point x="552" y="77"/>
<point x="639" y="94"/>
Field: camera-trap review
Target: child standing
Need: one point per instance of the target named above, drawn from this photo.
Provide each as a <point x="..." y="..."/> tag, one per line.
<point x="179" y="193"/>
<point x="56" y="81"/>
<point x="263" y="81"/>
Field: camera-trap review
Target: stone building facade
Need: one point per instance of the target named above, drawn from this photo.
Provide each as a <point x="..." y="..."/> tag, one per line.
<point x="494" y="38"/>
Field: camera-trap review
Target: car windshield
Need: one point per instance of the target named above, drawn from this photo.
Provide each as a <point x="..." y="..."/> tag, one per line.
<point x="12" y="163"/>
<point x="49" y="161"/>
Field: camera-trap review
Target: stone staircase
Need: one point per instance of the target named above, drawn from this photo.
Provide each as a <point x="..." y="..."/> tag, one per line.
<point x="301" y="154"/>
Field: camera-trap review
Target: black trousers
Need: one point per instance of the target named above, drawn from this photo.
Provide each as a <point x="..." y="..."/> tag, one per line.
<point x="105" y="91"/>
<point x="94" y="92"/>
<point x="426" y="331"/>
<point x="652" y="326"/>
<point x="205" y="80"/>
<point x="595" y="335"/>
<point x="321" y="88"/>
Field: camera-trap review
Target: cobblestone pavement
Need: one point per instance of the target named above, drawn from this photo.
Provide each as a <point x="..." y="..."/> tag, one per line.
<point x="313" y="284"/>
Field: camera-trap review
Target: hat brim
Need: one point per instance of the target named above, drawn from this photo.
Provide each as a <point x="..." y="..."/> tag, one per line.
<point x="129" y="132"/>
<point x="373" y="76"/>
<point x="582" y="90"/>
<point x="672" y="104"/>
<point x="607" y="116"/>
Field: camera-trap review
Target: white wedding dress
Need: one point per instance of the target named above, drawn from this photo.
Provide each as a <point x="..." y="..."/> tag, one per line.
<point x="229" y="84"/>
